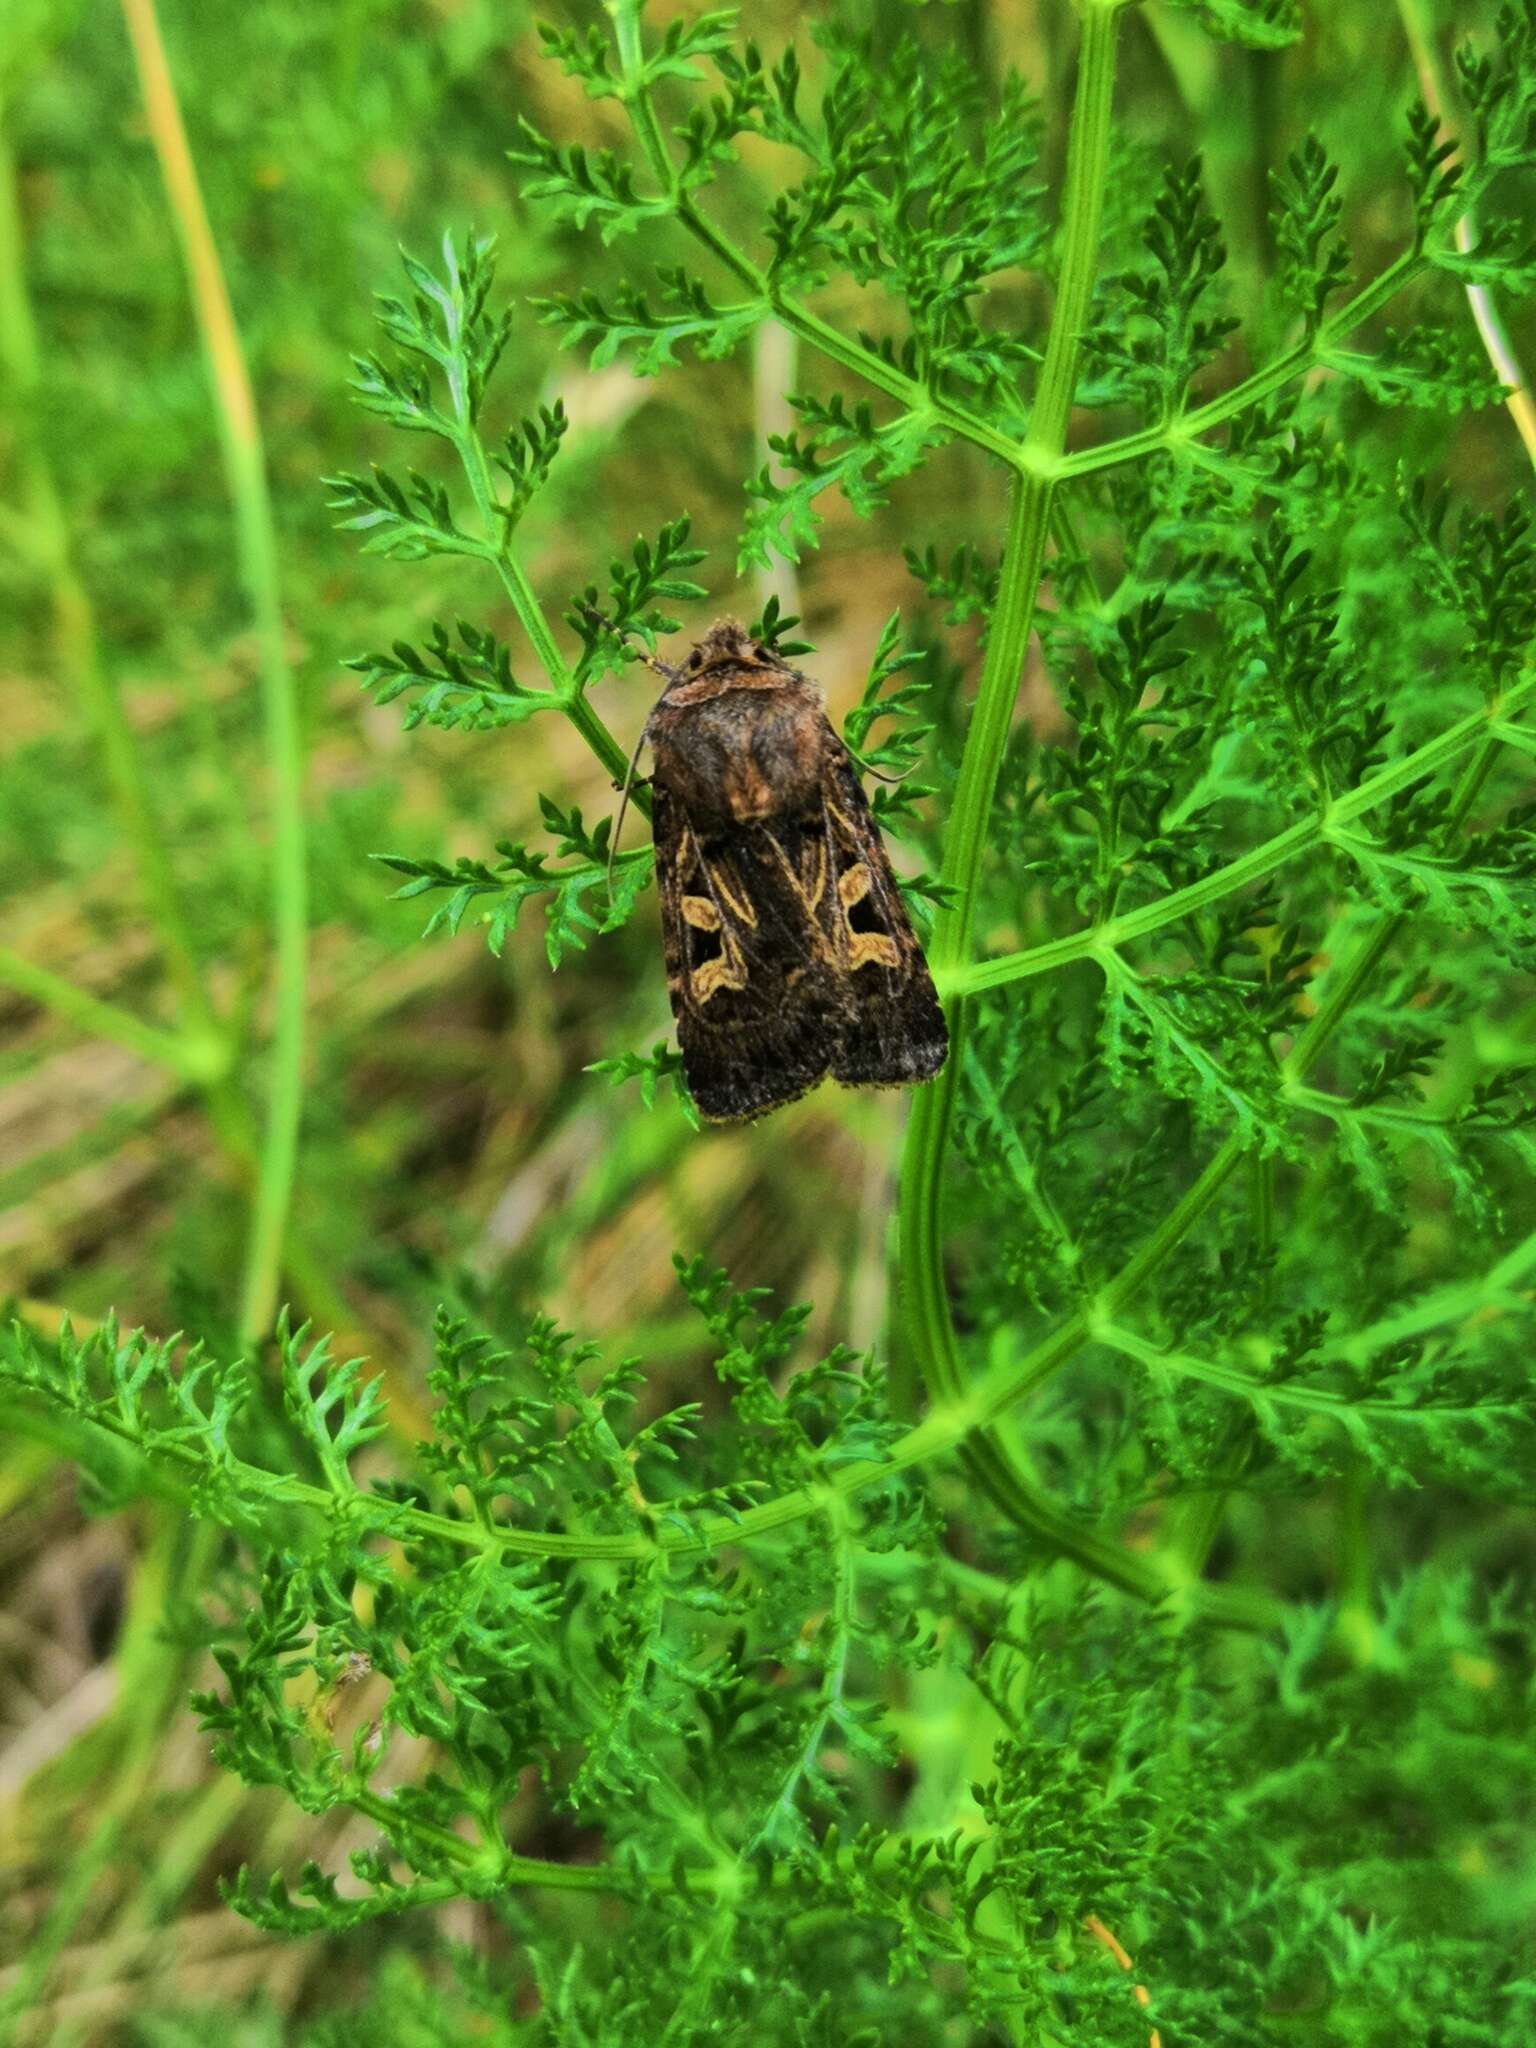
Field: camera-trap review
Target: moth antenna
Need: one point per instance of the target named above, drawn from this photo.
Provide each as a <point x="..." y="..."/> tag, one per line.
<point x="869" y="768"/>
<point x="640" y="651"/>
<point x="618" y="823"/>
<point x="659" y="667"/>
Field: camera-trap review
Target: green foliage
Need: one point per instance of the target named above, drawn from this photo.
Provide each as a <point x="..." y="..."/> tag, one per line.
<point x="469" y="687"/>
<point x="1163" y="337"/>
<point x="662" y="1063"/>
<point x="847" y="449"/>
<point x="1261" y="24"/>
<point x="1308" y="209"/>
<point x="649" y="339"/>
<point x="717" y="1708"/>
<point x="502" y="887"/>
<point x="652" y="572"/>
<point x="1140" y="1582"/>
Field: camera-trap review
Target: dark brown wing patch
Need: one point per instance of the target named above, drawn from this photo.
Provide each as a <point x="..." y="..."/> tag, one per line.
<point x="893" y="1030"/>
<point x="753" y="991"/>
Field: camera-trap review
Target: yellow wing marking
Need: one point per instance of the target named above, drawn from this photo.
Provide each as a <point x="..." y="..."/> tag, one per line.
<point x="739" y="905"/>
<point x="714" y="975"/>
<point x="863" y="947"/>
<point x="813" y="885"/>
<point x="712" y="913"/>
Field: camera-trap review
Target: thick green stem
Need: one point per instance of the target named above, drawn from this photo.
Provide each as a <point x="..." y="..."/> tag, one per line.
<point x="504" y="1867"/>
<point x="1355" y="1623"/>
<point x="929" y="1331"/>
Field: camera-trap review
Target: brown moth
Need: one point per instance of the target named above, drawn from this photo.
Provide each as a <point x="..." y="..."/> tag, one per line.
<point x="790" y="955"/>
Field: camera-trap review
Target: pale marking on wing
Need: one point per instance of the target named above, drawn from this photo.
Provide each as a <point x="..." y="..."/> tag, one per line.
<point x="876" y="947"/>
<point x="853" y="885"/>
<point x="814" y="888"/>
<point x="810" y="898"/>
<point x="714" y="975"/>
<point x="739" y="904"/>
<point x="703" y="913"/>
<point x="864" y="948"/>
<point x="815" y="937"/>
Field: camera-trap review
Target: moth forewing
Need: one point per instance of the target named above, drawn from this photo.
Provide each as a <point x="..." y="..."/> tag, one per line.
<point x="894" y="1032"/>
<point x="789" y="952"/>
<point x="751" y="999"/>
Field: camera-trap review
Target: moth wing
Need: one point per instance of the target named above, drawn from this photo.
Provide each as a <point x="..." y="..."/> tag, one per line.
<point x="893" y="1030"/>
<point x="754" y="993"/>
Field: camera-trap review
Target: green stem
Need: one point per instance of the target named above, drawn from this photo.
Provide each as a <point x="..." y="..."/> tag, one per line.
<point x="77" y="650"/>
<point x="514" y="579"/>
<point x="1005" y="1385"/>
<point x="1294" y="362"/>
<point x="1355" y="1624"/>
<point x="1044" y="459"/>
<point x="625" y="15"/>
<point x="1015" y="1157"/>
<point x="839" y="1624"/>
<point x="1261" y="1216"/>
<point x="1313" y="1041"/>
<point x="1469" y="786"/>
<point x="930" y="1335"/>
<point x="837" y="347"/>
<point x="1497" y="1292"/>
<point x="916" y="397"/>
<point x="1484" y="726"/>
<point x="1310" y="1045"/>
<point x="202" y="1051"/>
<point x="1418" y="28"/>
<point x="1267" y="1393"/>
<point x="809" y="326"/>
<point x="256" y="541"/>
<point x="194" y="1059"/>
<point x="946" y="1428"/>
<point x="505" y="1867"/>
<point x="567" y="685"/>
<point x="1390" y="1116"/>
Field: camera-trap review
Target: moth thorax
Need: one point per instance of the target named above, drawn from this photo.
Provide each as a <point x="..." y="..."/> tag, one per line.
<point x="750" y="794"/>
<point x="746" y="752"/>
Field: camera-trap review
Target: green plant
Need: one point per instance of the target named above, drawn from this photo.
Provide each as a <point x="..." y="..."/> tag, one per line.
<point x="1237" y="1260"/>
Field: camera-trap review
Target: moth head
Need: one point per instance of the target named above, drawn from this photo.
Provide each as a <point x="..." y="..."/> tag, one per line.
<point x="727" y="644"/>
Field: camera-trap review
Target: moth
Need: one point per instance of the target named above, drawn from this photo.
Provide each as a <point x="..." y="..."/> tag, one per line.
<point x="789" y="952"/>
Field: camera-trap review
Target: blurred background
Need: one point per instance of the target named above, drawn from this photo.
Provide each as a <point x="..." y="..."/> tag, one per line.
<point x="451" y="1142"/>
